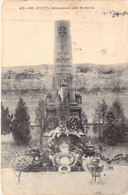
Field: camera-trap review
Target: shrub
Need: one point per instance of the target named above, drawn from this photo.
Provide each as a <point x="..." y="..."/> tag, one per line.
<point x="21" y="124"/>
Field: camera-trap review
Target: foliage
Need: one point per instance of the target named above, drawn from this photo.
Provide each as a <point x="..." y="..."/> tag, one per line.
<point x="83" y="67"/>
<point x="21" y="124"/>
<point x="52" y="123"/>
<point x="115" y="124"/>
<point x="40" y="117"/>
<point x="118" y="110"/>
<point x="100" y="115"/>
<point x="101" y="111"/>
<point x="6" y="121"/>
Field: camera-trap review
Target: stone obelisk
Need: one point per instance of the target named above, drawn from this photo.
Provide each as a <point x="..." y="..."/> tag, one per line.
<point x="63" y="100"/>
<point x="63" y="78"/>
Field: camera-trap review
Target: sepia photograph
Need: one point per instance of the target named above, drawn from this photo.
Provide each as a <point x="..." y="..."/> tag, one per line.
<point x="64" y="98"/>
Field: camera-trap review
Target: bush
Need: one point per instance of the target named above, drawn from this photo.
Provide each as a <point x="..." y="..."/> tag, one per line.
<point x="115" y="124"/>
<point x="21" y="124"/>
<point x="6" y="121"/>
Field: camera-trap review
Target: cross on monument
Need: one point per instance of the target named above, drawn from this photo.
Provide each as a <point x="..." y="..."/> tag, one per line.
<point x="62" y="30"/>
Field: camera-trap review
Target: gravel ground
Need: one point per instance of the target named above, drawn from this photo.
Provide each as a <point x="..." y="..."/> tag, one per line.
<point x="75" y="183"/>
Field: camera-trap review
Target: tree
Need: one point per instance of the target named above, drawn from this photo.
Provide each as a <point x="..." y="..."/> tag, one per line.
<point x="101" y="111"/>
<point x="115" y="125"/>
<point x="100" y="116"/>
<point x="6" y="121"/>
<point x="21" y="124"/>
<point x="120" y="119"/>
<point x="109" y="128"/>
<point x="119" y="111"/>
<point x="40" y="117"/>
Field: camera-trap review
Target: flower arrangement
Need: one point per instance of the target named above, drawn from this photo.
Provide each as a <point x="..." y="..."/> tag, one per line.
<point x="21" y="162"/>
<point x="95" y="168"/>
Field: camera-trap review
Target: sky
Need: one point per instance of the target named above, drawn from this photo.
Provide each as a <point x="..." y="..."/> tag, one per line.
<point x="28" y="35"/>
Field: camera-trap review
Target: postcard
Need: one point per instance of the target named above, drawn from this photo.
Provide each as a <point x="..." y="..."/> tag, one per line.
<point x="64" y="97"/>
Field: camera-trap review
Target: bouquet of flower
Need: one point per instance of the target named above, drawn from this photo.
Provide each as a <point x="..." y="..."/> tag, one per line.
<point x="95" y="167"/>
<point x="21" y="162"/>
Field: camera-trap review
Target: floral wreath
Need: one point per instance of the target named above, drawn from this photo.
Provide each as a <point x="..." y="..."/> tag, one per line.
<point x="64" y="169"/>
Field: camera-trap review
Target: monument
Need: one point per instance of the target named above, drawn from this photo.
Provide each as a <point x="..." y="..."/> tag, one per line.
<point x="63" y="101"/>
<point x="63" y="151"/>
